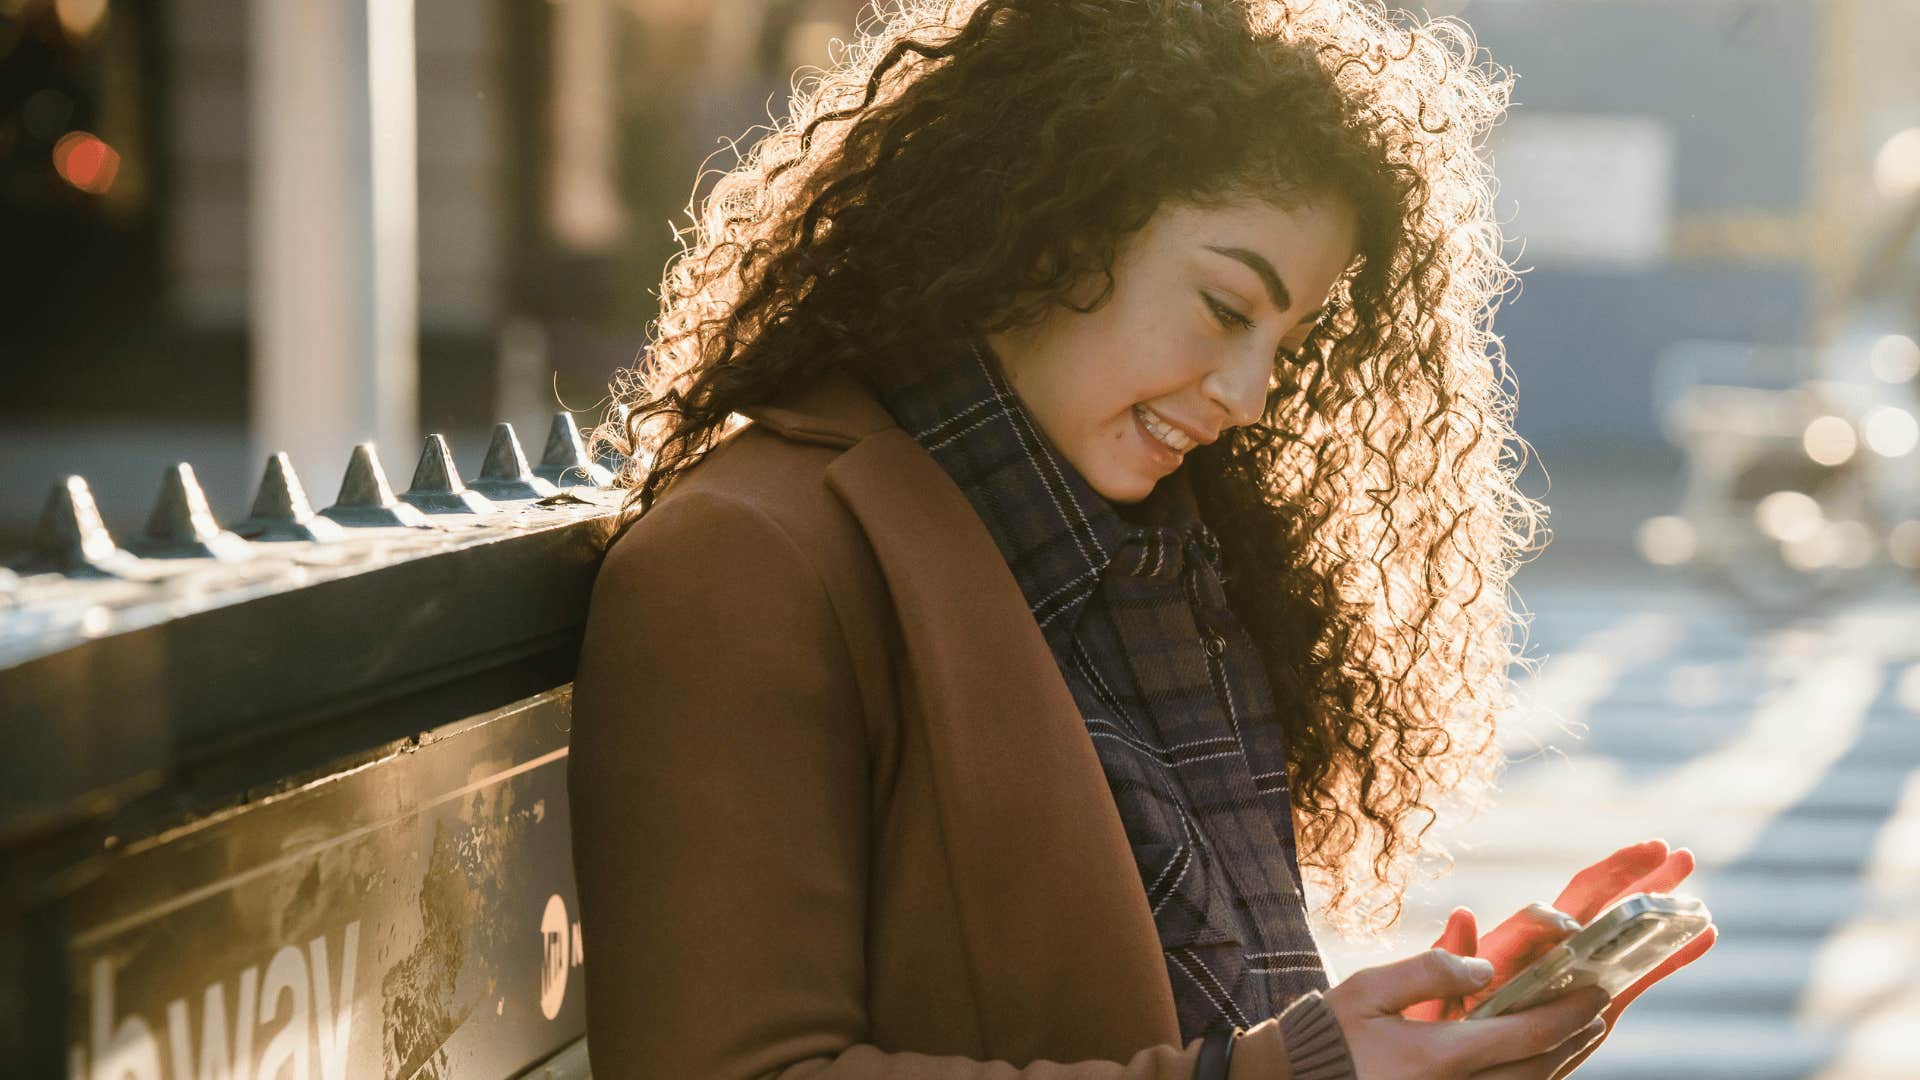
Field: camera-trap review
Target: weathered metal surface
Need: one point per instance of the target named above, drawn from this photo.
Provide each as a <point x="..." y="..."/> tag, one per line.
<point x="412" y="916"/>
<point x="182" y="526"/>
<point x="565" y="461"/>
<point x="367" y="499"/>
<point x="505" y="473"/>
<point x="569" y="1064"/>
<point x="281" y="510"/>
<point x="261" y="784"/>
<point x="437" y="487"/>
<point x="159" y="670"/>
<point x="127" y="669"/>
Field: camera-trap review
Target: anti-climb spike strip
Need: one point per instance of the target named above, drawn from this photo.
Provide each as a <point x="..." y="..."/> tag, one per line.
<point x="281" y="510"/>
<point x="504" y="474"/>
<point x="182" y="524"/>
<point x="70" y="536"/>
<point x="564" y="462"/>
<point x="436" y="486"/>
<point x="366" y="499"/>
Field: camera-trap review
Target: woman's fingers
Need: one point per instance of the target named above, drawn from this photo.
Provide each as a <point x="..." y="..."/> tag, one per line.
<point x="1595" y="888"/>
<point x="1678" y="864"/>
<point x="1461" y="937"/>
<point x="1512" y="1038"/>
<point x="1389" y="988"/>
<point x="1556" y="1062"/>
<point x="1369" y="1006"/>
<point x="1522" y="938"/>
<point x="1464" y="940"/>
<point x="1536" y="920"/>
<point x="1462" y="934"/>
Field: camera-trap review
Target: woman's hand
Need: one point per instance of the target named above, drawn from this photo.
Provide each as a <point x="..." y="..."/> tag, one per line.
<point x="1531" y="1044"/>
<point x="1534" y="930"/>
<point x="1526" y="936"/>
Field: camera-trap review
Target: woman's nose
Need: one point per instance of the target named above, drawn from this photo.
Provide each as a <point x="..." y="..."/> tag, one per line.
<point x="1239" y="388"/>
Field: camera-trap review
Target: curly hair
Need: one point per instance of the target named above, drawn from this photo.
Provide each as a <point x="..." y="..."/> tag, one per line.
<point x="963" y="164"/>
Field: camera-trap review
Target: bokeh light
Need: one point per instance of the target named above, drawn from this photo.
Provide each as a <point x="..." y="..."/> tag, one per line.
<point x="1845" y="545"/>
<point x="1812" y="552"/>
<point x="1894" y="358"/>
<point x="1896" y="168"/>
<point x="1829" y="440"/>
<point x="1903" y="544"/>
<point x="84" y="160"/>
<point x="1788" y="516"/>
<point x="1891" y="431"/>
<point x="80" y="18"/>
<point x="1666" y="540"/>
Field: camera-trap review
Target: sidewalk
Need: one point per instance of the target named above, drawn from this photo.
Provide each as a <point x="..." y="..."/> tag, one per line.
<point x="1785" y="753"/>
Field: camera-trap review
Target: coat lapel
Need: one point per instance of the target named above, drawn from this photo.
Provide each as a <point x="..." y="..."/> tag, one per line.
<point x="1065" y="955"/>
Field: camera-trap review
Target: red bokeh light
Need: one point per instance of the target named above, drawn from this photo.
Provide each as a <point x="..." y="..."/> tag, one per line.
<point x="85" y="161"/>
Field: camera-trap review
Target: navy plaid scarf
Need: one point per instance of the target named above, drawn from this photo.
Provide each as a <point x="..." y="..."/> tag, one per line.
<point x="1172" y="690"/>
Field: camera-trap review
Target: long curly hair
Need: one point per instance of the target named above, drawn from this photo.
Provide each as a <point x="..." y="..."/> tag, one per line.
<point x="962" y="164"/>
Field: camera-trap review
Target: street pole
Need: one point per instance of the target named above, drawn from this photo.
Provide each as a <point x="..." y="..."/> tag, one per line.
<point x="335" y="235"/>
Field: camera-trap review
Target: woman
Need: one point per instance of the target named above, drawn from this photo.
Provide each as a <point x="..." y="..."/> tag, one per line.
<point x="1073" y="509"/>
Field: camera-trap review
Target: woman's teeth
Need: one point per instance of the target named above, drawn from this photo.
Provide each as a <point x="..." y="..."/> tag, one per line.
<point x="1175" y="439"/>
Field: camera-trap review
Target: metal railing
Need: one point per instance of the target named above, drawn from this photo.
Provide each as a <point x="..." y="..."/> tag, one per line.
<point x="293" y="788"/>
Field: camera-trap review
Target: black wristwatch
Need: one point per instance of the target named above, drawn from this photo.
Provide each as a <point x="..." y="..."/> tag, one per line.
<point x="1216" y="1052"/>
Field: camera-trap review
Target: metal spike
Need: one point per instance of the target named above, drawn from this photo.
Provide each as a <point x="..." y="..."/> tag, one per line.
<point x="436" y="486"/>
<point x="564" y="461"/>
<point x="182" y="525"/>
<point x="504" y="474"/>
<point x="366" y="499"/>
<point x="281" y="510"/>
<point x="70" y="536"/>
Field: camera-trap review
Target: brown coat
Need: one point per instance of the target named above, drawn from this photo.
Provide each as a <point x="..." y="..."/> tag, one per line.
<point x="835" y="812"/>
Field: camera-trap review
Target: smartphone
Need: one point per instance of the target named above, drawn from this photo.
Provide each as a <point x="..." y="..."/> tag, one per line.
<point x="1621" y="944"/>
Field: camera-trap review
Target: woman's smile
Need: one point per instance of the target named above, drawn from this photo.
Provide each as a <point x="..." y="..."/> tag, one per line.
<point x="1167" y="445"/>
<point x="1203" y="299"/>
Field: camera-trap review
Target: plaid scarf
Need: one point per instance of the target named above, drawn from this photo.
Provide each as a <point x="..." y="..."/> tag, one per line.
<point x="1171" y="689"/>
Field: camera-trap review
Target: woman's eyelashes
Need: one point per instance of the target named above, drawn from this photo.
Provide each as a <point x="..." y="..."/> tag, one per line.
<point x="1286" y="354"/>
<point x="1233" y="320"/>
<point x="1226" y="316"/>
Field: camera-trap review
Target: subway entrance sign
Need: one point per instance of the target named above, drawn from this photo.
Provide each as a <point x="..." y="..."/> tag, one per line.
<point x="288" y="797"/>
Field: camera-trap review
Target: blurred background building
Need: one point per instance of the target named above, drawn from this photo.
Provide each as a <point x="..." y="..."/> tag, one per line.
<point x="180" y="180"/>
<point x="183" y="182"/>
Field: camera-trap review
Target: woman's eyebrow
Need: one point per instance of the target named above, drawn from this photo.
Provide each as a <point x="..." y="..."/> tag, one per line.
<point x="1253" y="260"/>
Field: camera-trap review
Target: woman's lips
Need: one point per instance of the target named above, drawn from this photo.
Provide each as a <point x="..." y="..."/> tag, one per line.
<point x="1159" y="451"/>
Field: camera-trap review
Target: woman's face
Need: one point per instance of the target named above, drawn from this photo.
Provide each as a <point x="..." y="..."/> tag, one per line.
<point x="1204" y="303"/>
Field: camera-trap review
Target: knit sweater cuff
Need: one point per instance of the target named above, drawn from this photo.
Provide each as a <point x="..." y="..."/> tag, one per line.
<point x="1316" y="1047"/>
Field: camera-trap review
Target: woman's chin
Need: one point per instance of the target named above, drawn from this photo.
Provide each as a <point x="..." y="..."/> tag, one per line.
<point x="1130" y="486"/>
